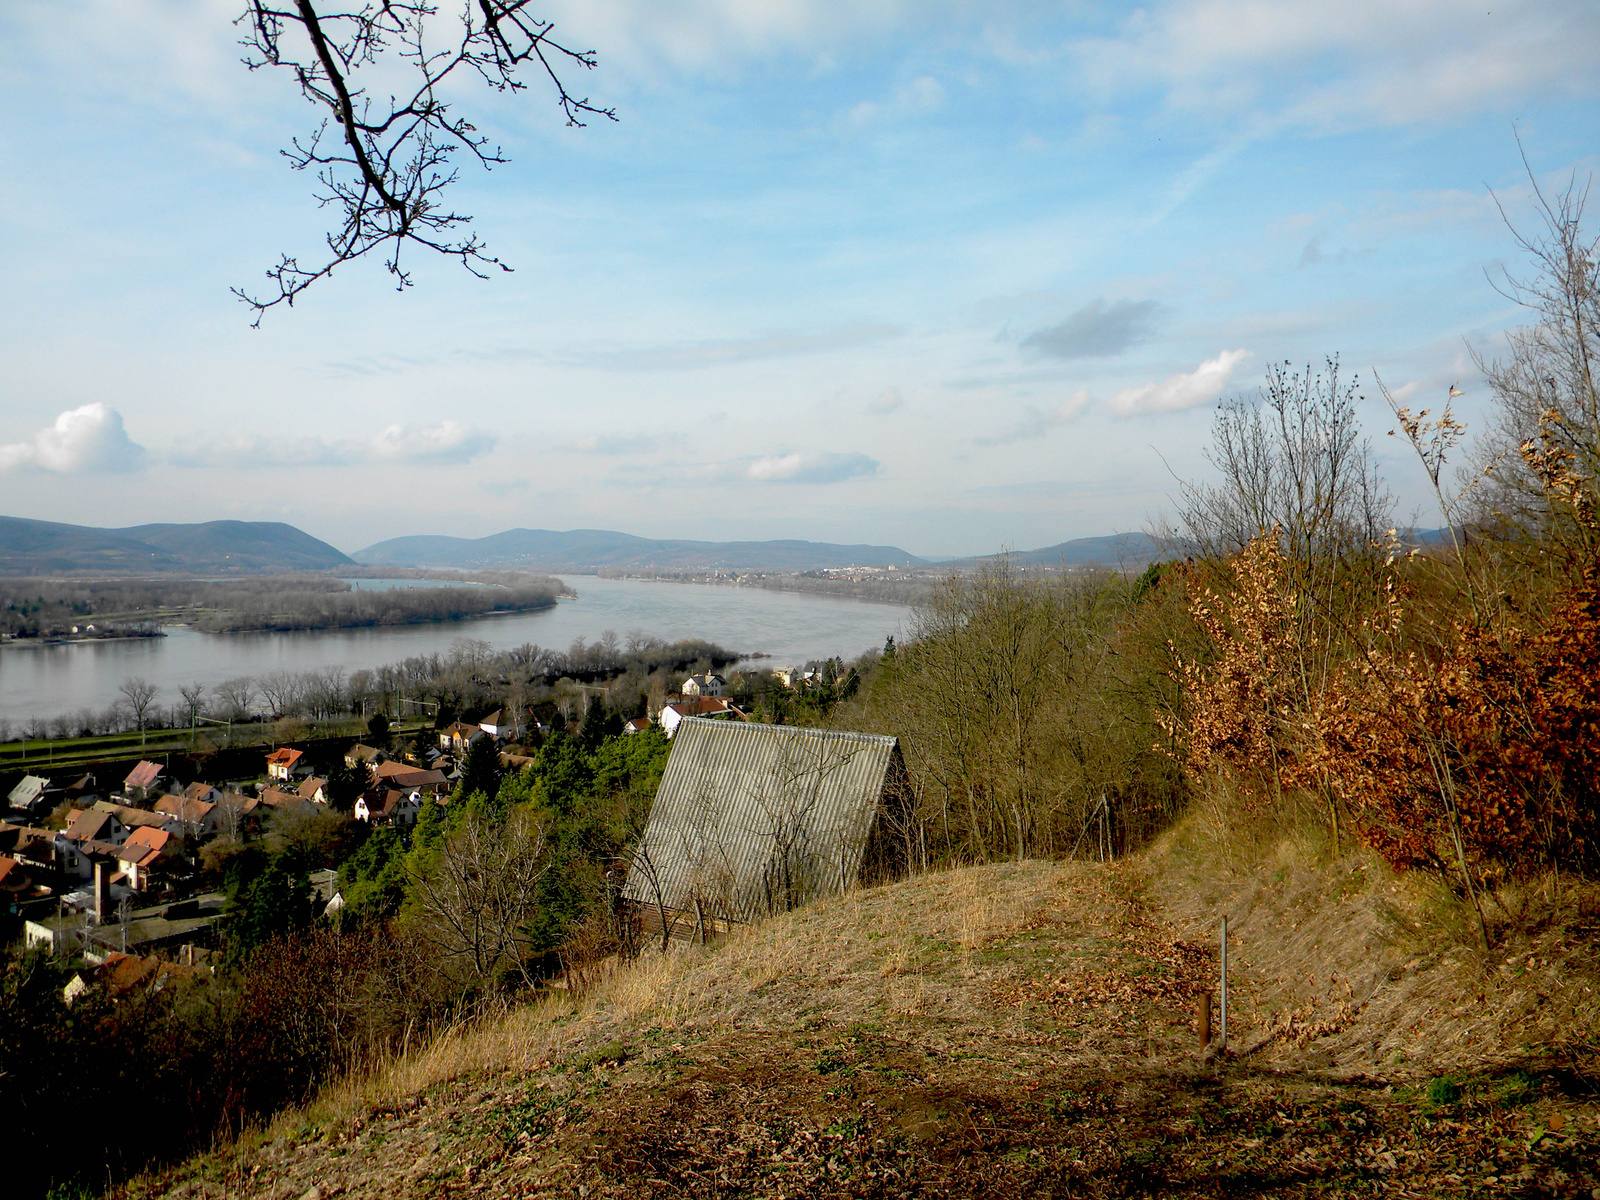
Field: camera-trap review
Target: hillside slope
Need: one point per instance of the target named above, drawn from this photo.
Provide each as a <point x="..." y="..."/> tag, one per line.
<point x="29" y="547"/>
<point x="1010" y="1030"/>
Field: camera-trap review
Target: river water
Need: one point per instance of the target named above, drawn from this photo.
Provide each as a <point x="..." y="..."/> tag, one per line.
<point x="48" y="681"/>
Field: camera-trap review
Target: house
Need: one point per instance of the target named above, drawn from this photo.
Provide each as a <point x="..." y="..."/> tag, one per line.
<point x="458" y="735"/>
<point x="236" y="813"/>
<point x="28" y="795"/>
<point x="17" y="886"/>
<point x="145" y="780"/>
<point x="752" y="819"/>
<point x="169" y="927"/>
<point x="81" y="790"/>
<point x="399" y="775"/>
<point x="708" y="707"/>
<point x="314" y="788"/>
<point x="390" y="806"/>
<point x="284" y="764"/>
<point x="637" y="725"/>
<point x="126" y="975"/>
<point x="369" y="755"/>
<point x="143" y="854"/>
<point x="196" y="818"/>
<point x="201" y="792"/>
<point x="130" y="817"/>
<point x="704" y="685"/>
<point x="97" y="825"/>
<point x="276" y="801"/>
<point x="501" y="724"/>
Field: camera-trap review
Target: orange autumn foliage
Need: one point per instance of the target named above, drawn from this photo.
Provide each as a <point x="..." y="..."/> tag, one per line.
<point x="1502" y="724"/>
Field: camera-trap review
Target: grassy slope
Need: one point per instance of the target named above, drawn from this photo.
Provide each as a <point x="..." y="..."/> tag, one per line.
<point x="1007" y="1030"/>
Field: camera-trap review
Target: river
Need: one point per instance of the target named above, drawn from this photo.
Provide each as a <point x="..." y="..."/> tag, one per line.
<point x="50" y="681"/>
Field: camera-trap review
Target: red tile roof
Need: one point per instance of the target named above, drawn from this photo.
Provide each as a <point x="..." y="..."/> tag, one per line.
<point x="286" y="756"/>
<point x="143" y="776"/>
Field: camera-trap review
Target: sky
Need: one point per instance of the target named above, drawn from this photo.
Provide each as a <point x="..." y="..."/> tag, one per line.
<point x="947" y="276"/>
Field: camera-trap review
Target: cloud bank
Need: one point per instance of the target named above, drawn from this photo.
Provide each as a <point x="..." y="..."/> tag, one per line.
<point x="1096" y="330"/>
<point x="1036" y="423"/>
<point x="1176" y="392"/>
<point x="85" y="440"/>
<point x="825" y="467"/>
<point x="444" y="444"/>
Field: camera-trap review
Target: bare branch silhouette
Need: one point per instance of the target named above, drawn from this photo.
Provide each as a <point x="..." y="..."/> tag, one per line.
<point x="385" y="165"/>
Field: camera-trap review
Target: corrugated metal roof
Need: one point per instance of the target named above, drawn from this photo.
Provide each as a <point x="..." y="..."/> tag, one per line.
<point x="753" y="818"/>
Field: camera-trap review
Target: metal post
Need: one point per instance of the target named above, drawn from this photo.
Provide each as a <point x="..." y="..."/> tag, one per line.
<point x="1224" y="1040"/>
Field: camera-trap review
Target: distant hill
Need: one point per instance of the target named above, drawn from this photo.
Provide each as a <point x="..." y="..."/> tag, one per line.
<point x="1128" y="550"/>
<point x="212" y="547"/>
<point x="588" y="549"/>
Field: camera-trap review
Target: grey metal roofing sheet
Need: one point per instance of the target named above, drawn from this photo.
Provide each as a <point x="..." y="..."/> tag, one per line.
<point x="752" y="817"/>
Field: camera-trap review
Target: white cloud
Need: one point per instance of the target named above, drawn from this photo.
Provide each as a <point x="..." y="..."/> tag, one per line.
<point x="825" y="467"/>
<point x="81" y="440"/>
<point x="1036" y="422"/>
<point x="1186" y="390"/>
<point x="446" y="442"/>
<point x="1363" y="61"/>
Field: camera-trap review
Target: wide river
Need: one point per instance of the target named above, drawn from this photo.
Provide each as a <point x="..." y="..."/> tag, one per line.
<point x="49" y="681"/>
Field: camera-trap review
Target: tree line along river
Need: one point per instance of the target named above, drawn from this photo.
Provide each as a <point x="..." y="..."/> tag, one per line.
<point x="53" y="680"/>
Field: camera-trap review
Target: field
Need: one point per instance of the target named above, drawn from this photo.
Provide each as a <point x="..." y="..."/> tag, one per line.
<point x="1024" y="1029"/>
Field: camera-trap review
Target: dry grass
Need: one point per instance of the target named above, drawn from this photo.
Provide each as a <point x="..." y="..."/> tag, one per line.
<point x="1383" y="970"/>
<point x="892" y="1010"/>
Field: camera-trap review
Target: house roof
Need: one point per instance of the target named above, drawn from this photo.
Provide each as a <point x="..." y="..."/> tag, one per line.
<point x="28" y="790"/>
<point x="273" y="798"/>
<point x="395" y="774"/>
<point x="285" y="756"/>
<point x="751" y="817"/>
<point x="154" y="839"/>
<point x="460" y="729"/>
<point x="124" y="972"/>
<point x="700" y="706"/>
<point x="198" y="791"/>
<point x="637" y="725"/>
<point x="184" y="809"/>
<point x="129" y="815"/>
<point x="89" y="824"/>
<point x="12" y="877"/>
<point x="497" y="717"/>
<point x="363" y="753"/>
<point x="143" y="776"/>
<point x="238" y="800"/>
<point x="311" y="786"/>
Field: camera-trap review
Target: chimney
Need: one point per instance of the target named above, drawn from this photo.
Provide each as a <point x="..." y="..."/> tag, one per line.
<point x="102" y="891"/>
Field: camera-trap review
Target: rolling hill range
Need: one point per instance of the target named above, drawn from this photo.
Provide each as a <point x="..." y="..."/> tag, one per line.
<point x="588" y="549"/>
<point x="30" y="547"/>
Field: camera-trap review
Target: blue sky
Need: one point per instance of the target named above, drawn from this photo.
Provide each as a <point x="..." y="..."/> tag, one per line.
<point x="944" y="275"/>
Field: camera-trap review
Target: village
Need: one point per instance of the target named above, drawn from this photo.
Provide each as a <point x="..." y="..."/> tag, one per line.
<point x="114" y="873"/>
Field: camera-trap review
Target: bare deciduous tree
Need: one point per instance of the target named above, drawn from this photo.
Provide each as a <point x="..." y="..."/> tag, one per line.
<point x="478" y="895"/>
<point x="1545" y="384"/>
<point x="140" y="694"/>
<point x="384" y="165"/>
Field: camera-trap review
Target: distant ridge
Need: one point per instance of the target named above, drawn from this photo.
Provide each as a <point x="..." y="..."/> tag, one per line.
<point x="30" y="547"/>
<point x="1127" y="550"/>
<point x="590" y="549"/>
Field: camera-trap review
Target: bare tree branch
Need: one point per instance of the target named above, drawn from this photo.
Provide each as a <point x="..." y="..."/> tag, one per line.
<point x="386" y="167"/>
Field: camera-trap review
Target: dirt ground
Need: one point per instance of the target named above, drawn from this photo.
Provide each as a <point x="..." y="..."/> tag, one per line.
<point x="1020" y="1030"/>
